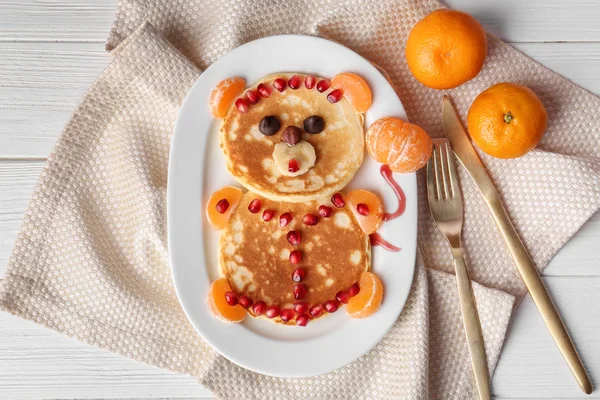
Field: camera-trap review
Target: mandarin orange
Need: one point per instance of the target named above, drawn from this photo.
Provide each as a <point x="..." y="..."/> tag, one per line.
<point x="369" y="299"/>
<point x="218" y="305"/>
<point x="355" y="89"/>
<point x="367" y="209"/>
<point x="224" y="94"/>
<point x="221" y="205"/>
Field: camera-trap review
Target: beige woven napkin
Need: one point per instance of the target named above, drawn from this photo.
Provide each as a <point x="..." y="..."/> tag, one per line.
<point x="91" y="260"/>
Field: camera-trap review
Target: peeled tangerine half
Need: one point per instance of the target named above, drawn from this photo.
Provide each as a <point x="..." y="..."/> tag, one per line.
<point x="221" y="205"/>
<point x="218" y="305"/>
<point x="367" y="208"/>
<point x="355" y="89"/>
<point x="368" y="300"/>
<point x="224" y="94"/>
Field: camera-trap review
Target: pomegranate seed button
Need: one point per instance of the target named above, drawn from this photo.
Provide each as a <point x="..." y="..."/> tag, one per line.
<point x="362" y="209"/>
<point x="334" y="96"/>
<point x="252" y="96"/>
<point x="354" y="290"/>
<point x="343" y="296"/>
<point x="310" y="219"/>
<point x="222" y="206"/>
<point x="294" y="82"/>
<point x="331" y="306"/>
<point x="302" y="320"/>
<point x="309" y="81"/>
<point x="325" y="211"/>
<point x="279" y="84"/>
<point x="293" y="165"/>
<point x="300" y="307"/>
<point x="285" y="219"/>
<point x="299" y="291"/>
<point x="316" y="310"/>
<point x="293" y="238"/>
<point x="323" y="85"/>
<point x="272" y="311"/>
<point x="295" y="257"/>
<point x="338" y="200"/>
<point x="255" y="206"/>
<point x="259" y="308"/>
<point x="298" y="275"/>
<point x="287" y="314"/>
<point x="241" y="105"/>
<point x="263" y="90"/>
<point x="245" y="301"/>
<point x="268" y="215"/>
<point x="231" y="298"/>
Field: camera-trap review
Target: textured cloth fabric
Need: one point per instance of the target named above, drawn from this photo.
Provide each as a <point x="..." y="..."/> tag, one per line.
<point x="91" y="257"/>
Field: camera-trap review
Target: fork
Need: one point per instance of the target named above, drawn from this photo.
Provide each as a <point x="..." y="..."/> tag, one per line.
<point x="445" y="203"/>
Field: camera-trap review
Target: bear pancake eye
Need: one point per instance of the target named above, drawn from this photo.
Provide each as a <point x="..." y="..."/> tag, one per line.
<point x="269" y="125"/>
<point x="314" y="124"/>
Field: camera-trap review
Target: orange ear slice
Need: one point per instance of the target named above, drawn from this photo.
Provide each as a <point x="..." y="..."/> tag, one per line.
<point x="224" y="94"/>
<point x="221" y="205"/>
<point x="218" y="305"/>
<point x="368" y="300"/>
<point x="367" y="209"/>
<point x="355" y="89"/>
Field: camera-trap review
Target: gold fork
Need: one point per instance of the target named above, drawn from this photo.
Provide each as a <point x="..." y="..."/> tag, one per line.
<point x="445" y="202"/>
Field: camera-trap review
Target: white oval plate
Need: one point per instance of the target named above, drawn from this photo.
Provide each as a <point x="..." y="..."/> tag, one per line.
<point x="197" y="168"/>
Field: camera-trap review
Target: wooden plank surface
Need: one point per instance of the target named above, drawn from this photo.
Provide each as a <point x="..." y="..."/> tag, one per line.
<point x="512" y="20"/>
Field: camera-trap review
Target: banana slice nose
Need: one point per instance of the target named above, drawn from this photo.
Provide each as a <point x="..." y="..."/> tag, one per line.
<point x="303" y="152"/>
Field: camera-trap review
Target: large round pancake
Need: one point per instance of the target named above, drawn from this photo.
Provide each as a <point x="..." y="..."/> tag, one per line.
<point x="254" y="254"/>
<point x="339" y="148"/>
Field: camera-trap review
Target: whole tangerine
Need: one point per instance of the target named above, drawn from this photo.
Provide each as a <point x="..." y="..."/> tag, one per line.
<point x="507" y="120"/>
<point x="446" y="49"/>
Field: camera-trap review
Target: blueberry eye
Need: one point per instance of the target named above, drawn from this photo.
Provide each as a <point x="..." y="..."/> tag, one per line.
<point x="314" y="124"/>
<point x="269" y="125"/>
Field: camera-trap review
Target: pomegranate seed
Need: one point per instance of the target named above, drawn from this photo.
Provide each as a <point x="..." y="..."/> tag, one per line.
<point x="334" y="96"/>
<point x="323" y="85"/>
<point x="362" y="209"/>
<point x="255" y="206"/>
<point x="294" y="82"/>
<point x="263" y="90"/>
<point x="259" y="308"/>
<point x="354" y="290"/>
<point x="309" y="81"/>
<point x="331" y="306"/>
<point x="325" y="211"/>
<point x="302" y="320"/>
<point x="285" y="219"/>
<point x="293" y="238"/>
<point x="241" y="105"/>
<point x="316" y="310"/>
<point x="231" y="298"/>
<point x="222" y="206"/>
<point x="295" y="257"/>
<point x="279" y="84"/>
<point x="299" y="291"/>
<point x="310" y="219"/>
<point x="298" y="275"/>
<point x="287" y="314"/>
<point x="293" y="166"/>
<point x="268" y="215"/>
<point x="300" y="307"/>
<point x="245" y="301"/>
<point x="252" y="96"/>
<point x="272" y="311"/>
<point x="343" y="296"/>
<point x="338" y="200"/>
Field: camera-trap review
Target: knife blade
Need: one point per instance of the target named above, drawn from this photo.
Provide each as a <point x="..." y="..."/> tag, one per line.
<point x="465" y="152"/>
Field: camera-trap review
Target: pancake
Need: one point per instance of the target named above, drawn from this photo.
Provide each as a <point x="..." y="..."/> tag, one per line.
<point x="254" y="254"/>
<point x="339" y="148"/>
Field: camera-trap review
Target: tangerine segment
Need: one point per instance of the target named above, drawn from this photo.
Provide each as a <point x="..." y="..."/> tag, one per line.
<point x="355" y="89"/>
<point x="218" y="305"/>
<point x="374" y="211"/>
<point x="224" y="94"/>
<point x="368" y="300"/>
<point x="233" y="196"/>
<point x="404" y="146"/>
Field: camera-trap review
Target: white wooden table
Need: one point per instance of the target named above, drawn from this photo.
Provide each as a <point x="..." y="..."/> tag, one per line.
<point x="50" y="53"/>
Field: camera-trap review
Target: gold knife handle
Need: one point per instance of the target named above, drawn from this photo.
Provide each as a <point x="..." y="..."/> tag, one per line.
<point x="540" y="294"/>
<point x="472" y="326"/>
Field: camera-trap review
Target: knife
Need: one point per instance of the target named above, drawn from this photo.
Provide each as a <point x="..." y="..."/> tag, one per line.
<point x="468" y="157"/>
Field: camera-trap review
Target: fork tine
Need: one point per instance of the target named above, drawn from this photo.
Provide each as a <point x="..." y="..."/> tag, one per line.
<point x="444" y="167"/>
<point x="431" y="181"/>
<point x="436" y="171"/>
<point x="452" y="170"/>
